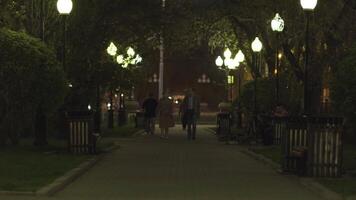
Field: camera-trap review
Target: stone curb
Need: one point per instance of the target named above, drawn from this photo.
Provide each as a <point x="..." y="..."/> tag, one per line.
<point x="308" y="183"/>
<point x="67" y="178"/>
<point x="262" y="158"/>
<point x="61" y="182"/>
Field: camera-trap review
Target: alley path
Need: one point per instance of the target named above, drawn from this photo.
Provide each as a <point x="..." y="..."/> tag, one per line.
<point x="148" y="167"/>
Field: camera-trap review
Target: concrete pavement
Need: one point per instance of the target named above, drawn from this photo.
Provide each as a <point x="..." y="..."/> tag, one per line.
<point x="148" y="167"/>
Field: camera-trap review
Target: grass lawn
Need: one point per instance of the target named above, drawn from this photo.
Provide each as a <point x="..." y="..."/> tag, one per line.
<point x="28" y="168"/>
<point x="121" y="131"/>
<point x="345" y="186"/>
<point x="272" y="152"/>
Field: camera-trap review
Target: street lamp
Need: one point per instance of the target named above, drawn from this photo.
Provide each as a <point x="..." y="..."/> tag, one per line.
<point x="229" y="64"/>
<point x="130" y="57"/>
<point x="204" y="79"/>
<point x="240" y="57"/>
<point x="308" y="6"/>
<point x="256" y="48"/>
<point x="277" y="25"/>
<point x="64" y="8"/>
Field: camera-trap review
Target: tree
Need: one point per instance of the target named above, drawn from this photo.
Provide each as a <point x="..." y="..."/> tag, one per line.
<point x="31" y="79"/>
<point x="343" y="89"/>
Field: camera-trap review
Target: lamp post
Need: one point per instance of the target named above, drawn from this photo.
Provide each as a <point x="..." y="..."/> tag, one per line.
<point x="64" y="8"/>
<point x="204" y="79"/>
<point x="256" y="48"/>
<point x="240" y="57"/>
<point x="308" y="6"/>
<point x="123" y="60"/>
<point x="227" y="64"/>
<point x="277" y="25"/>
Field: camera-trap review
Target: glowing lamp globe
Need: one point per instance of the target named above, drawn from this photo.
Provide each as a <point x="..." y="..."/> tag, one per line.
<point x="256" y="45"/>
<point x="240" y="57"/>
<point x="227" y="53"/>
<point x="112" y="49"/>
<point x="308" y="4"/>
<point x="131" y="52"/>
<point x="219" y="61"/>
<point x="277" y="23"/>
<point x="64" y="7"/>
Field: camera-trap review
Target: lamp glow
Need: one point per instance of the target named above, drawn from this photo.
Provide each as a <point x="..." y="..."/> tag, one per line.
<point x="219" y="61"/>
<point x="130" y="52"/>
<point x="64" y="7"/>
<point x="308" y="4"/>
<point x="240" y="56"/>
<point x="120" y="59"/>
<point x="112" y="49"/>
<point x="227" y="53"/>
<point x="228" y="62"/>
<point x="235" y="62"/>
<point x="280" y="55"/>
<point x="256" y="45"/>
<point x="277" y="24"/>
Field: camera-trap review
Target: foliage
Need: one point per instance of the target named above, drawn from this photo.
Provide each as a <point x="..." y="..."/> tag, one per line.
<point x="266" y="99"/>
<point x="30" y="77"/>
<point x="343" y="88"/>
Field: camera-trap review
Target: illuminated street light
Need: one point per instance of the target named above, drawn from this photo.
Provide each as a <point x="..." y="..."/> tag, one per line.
<point x="256" y="48"/>
<point x="64" y="7"/>
<point x="131" y="52"/>
<point x="308" y="6"/>
<point x="219" y="61"/>
<point x="277" y="23"/>
<point x="227" y="53"/>
<point x="240" y="56"/>
<point x="256" y="45"/>
<point x="112" y="49"/>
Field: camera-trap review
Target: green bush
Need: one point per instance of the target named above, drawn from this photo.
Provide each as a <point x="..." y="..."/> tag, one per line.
<point x="266" y="97"/>
<point x="343" y="89"/>
<point x="30" y="76"/>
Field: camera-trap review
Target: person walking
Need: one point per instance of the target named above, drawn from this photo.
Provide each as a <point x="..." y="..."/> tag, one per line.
<point x="191" y="108"/>
<point x="149" y="106"/>
<point x="165" y="111"/>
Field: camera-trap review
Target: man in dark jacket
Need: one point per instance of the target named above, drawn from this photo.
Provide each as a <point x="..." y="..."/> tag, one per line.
<point x="149" y="106"/>
<point x="191" y="108"/>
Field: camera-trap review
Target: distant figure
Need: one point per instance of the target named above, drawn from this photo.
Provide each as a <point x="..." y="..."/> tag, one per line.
<point x="191" y="108"/>
<point x="149" y="106"/>
<point x="165" y="111"/>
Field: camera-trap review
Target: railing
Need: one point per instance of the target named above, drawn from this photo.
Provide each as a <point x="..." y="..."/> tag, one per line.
<point x="321" y="137"/>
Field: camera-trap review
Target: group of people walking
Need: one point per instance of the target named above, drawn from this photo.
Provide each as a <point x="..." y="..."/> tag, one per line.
<point x="189" y="112"/>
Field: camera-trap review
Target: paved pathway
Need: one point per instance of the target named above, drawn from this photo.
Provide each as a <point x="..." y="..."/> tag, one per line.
<point x="152" y="168"/>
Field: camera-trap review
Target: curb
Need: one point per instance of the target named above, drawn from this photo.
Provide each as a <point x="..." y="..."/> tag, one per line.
<point x="308" y="183"/>
<point x="67" y="178"/>
<point x="62" y="181"/>
<point x="261" y="158"/>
